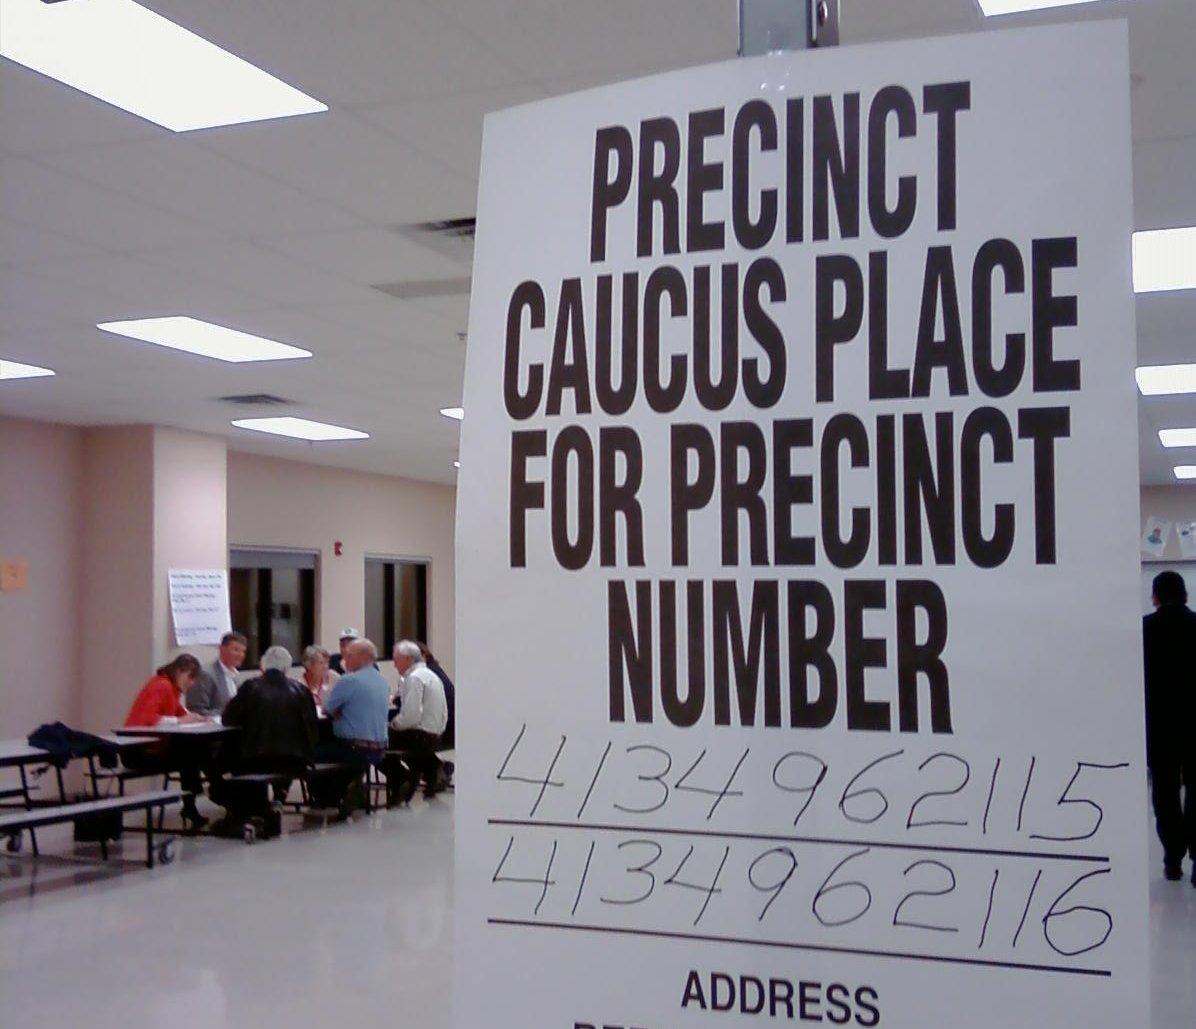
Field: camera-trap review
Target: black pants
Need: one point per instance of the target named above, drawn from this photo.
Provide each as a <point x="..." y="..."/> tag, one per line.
<point x="330" y="788"/>
<point x="419" y="751"/>
<point x="188" y="762"/>
<point x="1175" y="822"/>
<point x="252" y="799"/>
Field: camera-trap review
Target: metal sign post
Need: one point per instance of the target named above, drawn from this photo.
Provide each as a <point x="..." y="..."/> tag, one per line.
<point x="767" y="26"/>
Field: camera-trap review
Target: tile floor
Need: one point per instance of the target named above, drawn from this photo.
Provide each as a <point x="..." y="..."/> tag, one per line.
<point x="217" y="941"/>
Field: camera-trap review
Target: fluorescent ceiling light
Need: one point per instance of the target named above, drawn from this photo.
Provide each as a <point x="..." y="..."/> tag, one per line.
<point x="1160" y="380"/>
<point x="1178" y="437"/>
<point x="204" y="338"/>
<point x="1185" y="471"/>
<point x="455" y="413"/>
<point x="132" y="58"/>
<point x="992" y="8"/>
<point x="1164" y="259"/>
<point x="16" y="370"/>
<point x="299" y="428"/>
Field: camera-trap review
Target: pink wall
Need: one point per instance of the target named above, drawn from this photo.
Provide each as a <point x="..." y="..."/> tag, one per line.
<point x="41" y="489"/>
<point x="276" y="503"/>
<point x="115" y="583"/>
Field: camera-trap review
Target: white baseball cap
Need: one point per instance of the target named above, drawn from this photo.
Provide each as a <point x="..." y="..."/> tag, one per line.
<point x="350" y="634"/>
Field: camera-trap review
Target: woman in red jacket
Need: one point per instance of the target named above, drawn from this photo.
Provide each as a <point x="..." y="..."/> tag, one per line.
<point x="160" y="702"/>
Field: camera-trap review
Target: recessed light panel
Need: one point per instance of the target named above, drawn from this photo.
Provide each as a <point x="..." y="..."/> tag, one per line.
<point x="992" y="8"/>
<point x="204" y="338"/>
<point x="1178" y="437"/>
<point x="132" y="58"/>
<point x="1161" y="380"/>
<point x="1164" y="259"/>
<point x="300" y="428"/>
<point x="16" y="370"/>
<point x="1185" y="471"/>
<point x="455" y="413"/>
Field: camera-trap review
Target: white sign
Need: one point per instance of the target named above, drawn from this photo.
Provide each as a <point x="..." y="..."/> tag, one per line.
<point x="803" y="659"/>
<point x="199" y="605"/>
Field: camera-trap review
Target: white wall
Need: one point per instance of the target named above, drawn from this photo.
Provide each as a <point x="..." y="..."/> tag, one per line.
<point x="276" y="503"/>
<point x="41" y="514"/>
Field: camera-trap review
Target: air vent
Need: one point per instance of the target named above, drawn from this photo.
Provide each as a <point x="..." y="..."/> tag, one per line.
<point x="452" y="237"/>
<point x="422" y="289"/>
<point x="255" y="400"/>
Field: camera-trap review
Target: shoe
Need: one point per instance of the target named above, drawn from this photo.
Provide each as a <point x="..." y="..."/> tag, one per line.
<point x="1174" y="872"/>
<point x="193" y="821"/>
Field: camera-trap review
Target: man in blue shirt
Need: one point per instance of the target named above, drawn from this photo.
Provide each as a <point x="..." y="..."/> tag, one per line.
<point x="358" y="706"/>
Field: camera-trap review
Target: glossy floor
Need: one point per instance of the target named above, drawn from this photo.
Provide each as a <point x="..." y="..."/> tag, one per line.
<point x="217" y="940"/>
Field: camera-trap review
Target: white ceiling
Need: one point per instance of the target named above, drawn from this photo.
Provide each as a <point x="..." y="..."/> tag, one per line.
<point x="283" y="228"/>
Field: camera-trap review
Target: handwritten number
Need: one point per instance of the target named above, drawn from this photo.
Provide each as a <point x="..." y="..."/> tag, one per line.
<point x="644" y="869"/>
<point x="776" y="887"/>
<point x="542" y="783"/>
<point x="811" y="790"/>
<point x="825" y="890"/>
<point x="967" y="777"/>
<point x="950" y="888"/>
<point x="658" y="778"/>
<point x="1065" y="799"/>
<point x="718" y="795"/>
<point x="851" y="794"/>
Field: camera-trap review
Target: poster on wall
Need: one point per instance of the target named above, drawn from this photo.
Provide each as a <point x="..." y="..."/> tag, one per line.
<point x="199" y="606"/>
<point x="1154" y="536"/>
<point x="797" y="590"/>
<point x="1186" y="531"/>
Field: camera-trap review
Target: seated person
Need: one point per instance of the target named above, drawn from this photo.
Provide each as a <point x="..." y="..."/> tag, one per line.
<point x="278" y="733"/>
<point x="318" y="677"/>
<point x="422" y="717"/>
<point x="357" y="705"/>
<point x="216" y="684"/>
<point x="160" y="702"/>
<point x="448" y="739"/>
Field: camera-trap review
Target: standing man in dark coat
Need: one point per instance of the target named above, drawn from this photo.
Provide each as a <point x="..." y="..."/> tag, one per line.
<point x="1169" y="652"/>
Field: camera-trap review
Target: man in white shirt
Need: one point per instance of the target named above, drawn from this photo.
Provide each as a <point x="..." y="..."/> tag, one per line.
<point x="216" y="684"/>
<point x="422" y="717"/>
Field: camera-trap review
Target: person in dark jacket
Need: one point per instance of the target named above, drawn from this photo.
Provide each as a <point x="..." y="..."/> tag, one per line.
<point x="1169" y="657"/>
<point x="449" y="739"/>
<point x="278" y="723"/>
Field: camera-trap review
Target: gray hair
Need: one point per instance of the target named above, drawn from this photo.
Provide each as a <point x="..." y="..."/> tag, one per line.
<point x="409" y="649"/>
<point x="364" y="646"/>
<point x="276" y="659"/>
<point x="313" y="654"/>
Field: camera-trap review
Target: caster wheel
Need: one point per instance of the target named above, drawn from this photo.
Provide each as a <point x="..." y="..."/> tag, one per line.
<point x="249" y="834"/>
<point x="166" y="853"/>
<point x="14" y="844"/>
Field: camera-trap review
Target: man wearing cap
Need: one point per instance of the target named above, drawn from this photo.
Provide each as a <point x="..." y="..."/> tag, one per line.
<point x="337" y="664"/>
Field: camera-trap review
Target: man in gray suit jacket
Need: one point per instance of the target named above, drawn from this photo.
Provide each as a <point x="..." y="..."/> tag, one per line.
<point x="217" y="682"/>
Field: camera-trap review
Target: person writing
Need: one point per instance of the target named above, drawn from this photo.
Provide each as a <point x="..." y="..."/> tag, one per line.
<point x="160" y="702"/>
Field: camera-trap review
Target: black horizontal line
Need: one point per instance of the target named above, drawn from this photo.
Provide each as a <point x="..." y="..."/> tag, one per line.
<point x="856" y="951"/>
<point x="769" y="838"/>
